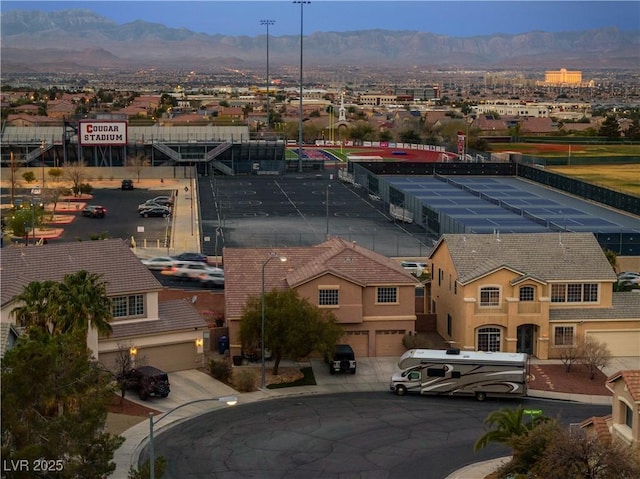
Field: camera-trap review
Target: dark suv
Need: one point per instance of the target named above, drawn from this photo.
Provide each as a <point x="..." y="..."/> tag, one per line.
<point x="342" y="359"/>
<point x="148" y="381"/>
<point x="127" y="185"/>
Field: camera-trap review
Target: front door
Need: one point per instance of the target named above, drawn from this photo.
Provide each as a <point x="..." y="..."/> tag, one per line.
<point x="525" y="338"/>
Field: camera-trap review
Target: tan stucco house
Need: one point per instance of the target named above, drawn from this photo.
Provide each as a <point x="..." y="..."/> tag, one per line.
<point x="169" y="335"/>
<point x="372" y="296"/>
<point x="532" y="293"/>
<point x="623" y="424"/>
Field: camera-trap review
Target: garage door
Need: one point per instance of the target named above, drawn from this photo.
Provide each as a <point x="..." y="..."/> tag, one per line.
<point x="359" y="342"/>
<point x="173" y="357"/>
<point x="389" y="342"/>
<point x="620" y="343"/>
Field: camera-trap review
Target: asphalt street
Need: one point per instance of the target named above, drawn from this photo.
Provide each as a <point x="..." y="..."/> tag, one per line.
<point x="369" y="434"/>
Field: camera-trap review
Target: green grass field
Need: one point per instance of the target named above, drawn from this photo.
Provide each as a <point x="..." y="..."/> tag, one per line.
<point x="618" y="177"/>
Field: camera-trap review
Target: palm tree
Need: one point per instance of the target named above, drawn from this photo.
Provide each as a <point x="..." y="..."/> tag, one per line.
<point x="37" y="310"/>
<point x="84" y="303"/>
<point x="506" y="424"/>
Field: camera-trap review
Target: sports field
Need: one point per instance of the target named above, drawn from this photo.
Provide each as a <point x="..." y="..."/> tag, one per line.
<point x="556" y="150"/>
<point x="618" y="177"/>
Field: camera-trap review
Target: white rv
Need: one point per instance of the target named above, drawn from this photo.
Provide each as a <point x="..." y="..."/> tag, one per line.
<point x="455" y="372"/>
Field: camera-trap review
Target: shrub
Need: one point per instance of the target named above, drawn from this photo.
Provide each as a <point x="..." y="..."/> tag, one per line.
<point x="244" y="380"/>
<point x="221" y="370"/>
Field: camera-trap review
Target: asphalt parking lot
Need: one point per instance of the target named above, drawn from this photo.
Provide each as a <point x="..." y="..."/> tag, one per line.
<point x="291" y="210"/>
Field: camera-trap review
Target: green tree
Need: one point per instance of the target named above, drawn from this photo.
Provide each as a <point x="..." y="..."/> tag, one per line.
<point x="29" y="176"/>
<point x="385" y="135"/>
<point x="54" y="406"/>
<point x="409" y="135"/>
<point x="610" y="128"/>
<point x="75" y="304"/>
<point x="293" y="327"/>
<point x="506" y="424"/>
<point x="361" y="131"/>
<point x="529" y="448"/>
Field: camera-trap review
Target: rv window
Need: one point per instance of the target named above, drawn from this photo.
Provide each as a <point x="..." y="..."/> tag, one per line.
<point x="414" y="375"/>
<point x="433" y="372"/>
<point x="455" y="374"/>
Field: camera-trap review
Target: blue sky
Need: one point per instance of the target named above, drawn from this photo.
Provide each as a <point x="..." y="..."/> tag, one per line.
<point x="451" y="18"/>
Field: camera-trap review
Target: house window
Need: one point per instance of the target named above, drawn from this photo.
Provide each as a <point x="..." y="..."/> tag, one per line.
<point x="490" y="296"/>
<point x="387" y="295"/>
<point x="449" y="324"/>
<point x="628" y="416"/>
<point x="489" y="339"/>
<point x="527" y="293"/>
<point x="127" y="306"/>
<point x="563" y="336"/>
<point x="327" y="297"/>
<point x="455" y="287"/>
<point x="574" y="293"/>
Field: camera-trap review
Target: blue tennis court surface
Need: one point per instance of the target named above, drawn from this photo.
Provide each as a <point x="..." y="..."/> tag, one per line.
<point x="507" y="204"/>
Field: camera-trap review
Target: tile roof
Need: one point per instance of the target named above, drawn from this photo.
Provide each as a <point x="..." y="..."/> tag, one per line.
<point x="624" y="305"/>
<point x="600" y="426"/>
<point x="244" y="266"/>
<point x="546" y="256"/>
<point x="631" y="378"/>
<point x="121" y="270"/>
<point x="174" y="316"/>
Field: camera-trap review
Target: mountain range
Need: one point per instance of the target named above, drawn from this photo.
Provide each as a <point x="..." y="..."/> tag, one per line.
<point x="80" y="40"/>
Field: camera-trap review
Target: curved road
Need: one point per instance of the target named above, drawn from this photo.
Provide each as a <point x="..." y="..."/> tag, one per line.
<point x="370" y="434"/>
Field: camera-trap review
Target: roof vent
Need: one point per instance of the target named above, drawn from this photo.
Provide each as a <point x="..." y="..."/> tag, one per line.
<point x="453" y="351"/>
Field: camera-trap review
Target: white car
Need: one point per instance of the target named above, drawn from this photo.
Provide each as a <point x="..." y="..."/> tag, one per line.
<point x="189" y="269"/>
<point x="212" y="279"/>
<point x="414" y="267"/>
<point x="158" y="263"/>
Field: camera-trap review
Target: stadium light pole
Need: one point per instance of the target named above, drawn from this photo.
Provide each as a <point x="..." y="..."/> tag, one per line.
<point x="267" y="23"/>
<point x="301" y="2"/>
<point x="263" y="369"/>
<point x="229" y="400"/>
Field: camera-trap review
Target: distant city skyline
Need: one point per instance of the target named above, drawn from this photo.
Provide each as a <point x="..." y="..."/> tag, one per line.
<point x="451" y="18"/>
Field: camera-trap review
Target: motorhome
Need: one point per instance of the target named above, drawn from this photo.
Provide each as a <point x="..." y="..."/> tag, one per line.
<point x="454" y="372"/>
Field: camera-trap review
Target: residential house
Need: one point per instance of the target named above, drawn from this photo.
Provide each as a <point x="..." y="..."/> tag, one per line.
<point x="168" y="334"/>
<point x="533" y="293"/>
<point x="623" y="424"/>
<point x="372" y="296"/>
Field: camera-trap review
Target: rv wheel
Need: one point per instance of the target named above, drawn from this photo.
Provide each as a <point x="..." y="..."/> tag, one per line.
<point x="480" y="396"/>
<point x="401" y="390"/>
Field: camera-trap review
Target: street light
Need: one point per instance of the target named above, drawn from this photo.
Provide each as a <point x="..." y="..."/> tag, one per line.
<point x="230" y="400"/>
<point x="301" y="2"/>
<point x="264" y="265"/>
<point x="328" y="186"/>
<point x="267" y="23"/>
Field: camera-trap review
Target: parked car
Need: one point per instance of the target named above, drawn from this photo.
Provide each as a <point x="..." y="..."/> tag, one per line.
<point x="342" y="359"/>
<point x="150" y="204"/>
<point x="629" y="279"/>
<point x="191" y="257"/>
<point x="162" y="200"/>
<point x="158" y="263"/>
<point x="148" y="381"/>
<point x="190" y="270"/>
<point x="127" y="185"/>
<point x="94" y="211"/>
<point x="155" y="211"/>
<point x="210" y="279"/>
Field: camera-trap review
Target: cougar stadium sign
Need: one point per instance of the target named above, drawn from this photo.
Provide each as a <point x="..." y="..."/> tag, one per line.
<point x="103" y="133"/>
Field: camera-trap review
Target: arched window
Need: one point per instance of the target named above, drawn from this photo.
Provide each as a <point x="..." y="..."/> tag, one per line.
<point x="489" y="339"/>
<point x="527" y="293"/>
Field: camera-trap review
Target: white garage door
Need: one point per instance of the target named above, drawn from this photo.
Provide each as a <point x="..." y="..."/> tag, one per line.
<point x="620" y="343"/>
<point x="359" y="342"/>
<point x="389" y="342"/>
